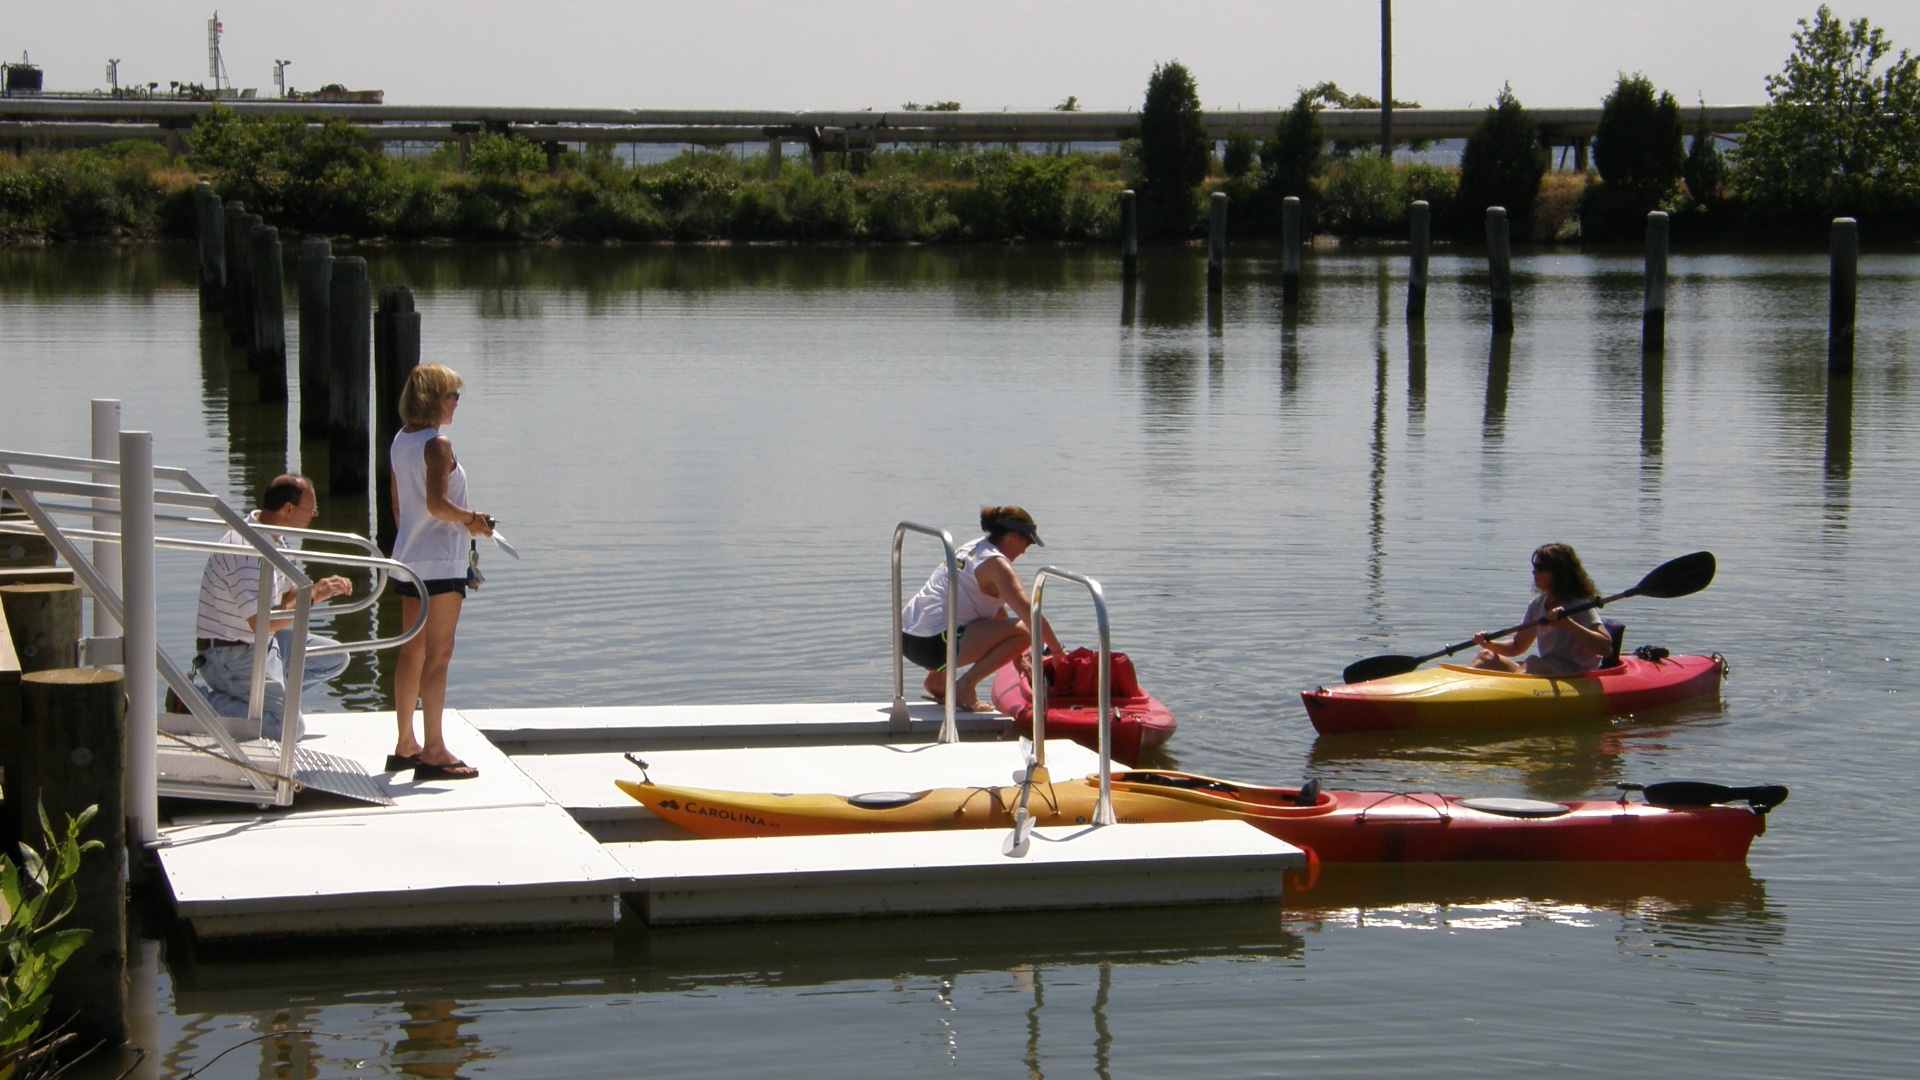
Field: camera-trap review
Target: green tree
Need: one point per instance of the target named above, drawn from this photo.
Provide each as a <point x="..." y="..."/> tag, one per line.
<point x="1174" y="154"/>
<point x="1841" y="132"/>
<point x="1237" y="157"/>
<point x="1637" y="147"/>
<point x="1705" y="170"/>
<point x="1502" y="165"/>
<point x="1297" y="153"/>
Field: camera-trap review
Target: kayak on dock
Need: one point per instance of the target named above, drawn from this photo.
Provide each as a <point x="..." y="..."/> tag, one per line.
<point x="1140" y="722"/>
<point x="1454" y="697"/>
<point x="1673" y="821"/>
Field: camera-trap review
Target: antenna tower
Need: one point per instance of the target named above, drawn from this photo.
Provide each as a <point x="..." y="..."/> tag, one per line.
<point x="216" y="69"/>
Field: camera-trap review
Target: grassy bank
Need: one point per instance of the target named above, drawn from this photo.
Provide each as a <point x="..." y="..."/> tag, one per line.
<point x="333" y="186"/>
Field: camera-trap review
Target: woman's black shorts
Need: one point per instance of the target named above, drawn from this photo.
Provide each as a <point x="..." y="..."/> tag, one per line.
<point x="435" y="586"/>
<point x="928" y="652"/>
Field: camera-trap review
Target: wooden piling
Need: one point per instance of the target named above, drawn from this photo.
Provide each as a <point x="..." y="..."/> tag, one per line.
<point x="1129" y="235"/>
<point x="210" y="227"/>
<point x="1653" y="316"/>
<point x="396" y="352"/>
<point x="314" y="275"/>
<point x="1420" y="232"/>
<point x="1290" y="250"/>
<point x="1500" y="269"/>
<point x="1216" y="241"/>
<point x="1845" y="261"/>
<point x="240" y="318"/>
<point x="41" y="627"/>
<point x="231" y="213"/>
<point x="268" y="348"/>
<point x="350" y="356"/>
<point x="74" y="724"/>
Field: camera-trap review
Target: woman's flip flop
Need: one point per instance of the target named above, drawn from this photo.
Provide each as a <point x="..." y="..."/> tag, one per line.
<point x="452" y="770"/>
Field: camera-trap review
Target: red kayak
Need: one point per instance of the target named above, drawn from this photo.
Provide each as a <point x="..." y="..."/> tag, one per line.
<point x="1140" y="722"/>
<point x="1452" y="697"/>
<point x="1681" y="821"/>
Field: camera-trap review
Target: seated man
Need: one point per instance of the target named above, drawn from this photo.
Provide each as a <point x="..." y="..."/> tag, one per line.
<point x="229" y="592"/>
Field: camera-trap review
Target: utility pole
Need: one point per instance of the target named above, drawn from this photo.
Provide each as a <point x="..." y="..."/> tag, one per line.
<point x="1386" y="79"/>
<point x="113" y="75"/>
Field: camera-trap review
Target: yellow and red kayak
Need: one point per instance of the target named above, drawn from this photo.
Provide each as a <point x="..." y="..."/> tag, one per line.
<point x="1336" y="826"/>
<point x="1449" y="697"/>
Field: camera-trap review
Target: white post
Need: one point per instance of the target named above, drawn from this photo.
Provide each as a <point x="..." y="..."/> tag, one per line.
<point x="106" y="556"/>
<point x="141" y="641"/>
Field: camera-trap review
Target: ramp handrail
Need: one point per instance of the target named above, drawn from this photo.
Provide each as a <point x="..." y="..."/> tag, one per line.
<point x="1036" y="648"/>
<point x="949" y="729"/>
<point x="108" y="500"/>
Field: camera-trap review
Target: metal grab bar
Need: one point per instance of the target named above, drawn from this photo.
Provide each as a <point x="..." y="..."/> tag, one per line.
<point x="949" y="729"/>
<point x="1103" y="810"/>
<point x="137" y="508"/>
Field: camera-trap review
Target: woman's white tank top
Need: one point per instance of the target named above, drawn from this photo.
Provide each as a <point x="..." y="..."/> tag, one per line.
<point x="435" y="549"/>
<point x="926" y="614"/>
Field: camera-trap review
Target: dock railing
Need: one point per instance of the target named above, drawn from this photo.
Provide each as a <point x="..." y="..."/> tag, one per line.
<point x="949" y="728"/>
<point x="136" y="494"/>
<point x="1036" y="651"/>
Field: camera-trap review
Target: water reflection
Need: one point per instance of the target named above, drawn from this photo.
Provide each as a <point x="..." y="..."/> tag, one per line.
<point x="1493" y="420"/>
<point x="1716" y="907"/>
<point x="427" y="999"/>
<point x="1416" y="379"/>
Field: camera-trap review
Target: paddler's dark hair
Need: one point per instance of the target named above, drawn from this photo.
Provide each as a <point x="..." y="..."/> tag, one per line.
<point x="1570" y="580"/>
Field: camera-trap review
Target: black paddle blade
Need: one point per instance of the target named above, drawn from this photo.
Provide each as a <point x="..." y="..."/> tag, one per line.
<point x="1762" y="797"/>
<point x="1379" y="667"/>
<point x="1684" y="576"/>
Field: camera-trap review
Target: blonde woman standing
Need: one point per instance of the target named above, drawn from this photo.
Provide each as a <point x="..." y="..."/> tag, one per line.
<point x="434" y="527"/>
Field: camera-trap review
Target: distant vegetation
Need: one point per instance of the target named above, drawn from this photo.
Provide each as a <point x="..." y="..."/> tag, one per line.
<point x="1841" y="136"/>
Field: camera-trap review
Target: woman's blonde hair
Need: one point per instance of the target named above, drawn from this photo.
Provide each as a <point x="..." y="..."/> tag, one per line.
<point x="422" y="401"/>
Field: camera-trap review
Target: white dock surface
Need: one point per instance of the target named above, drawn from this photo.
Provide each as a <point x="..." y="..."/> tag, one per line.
<point x="508" y="849"/>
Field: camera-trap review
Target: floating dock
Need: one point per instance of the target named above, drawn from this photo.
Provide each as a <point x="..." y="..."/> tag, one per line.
<point x="543" y="838"/>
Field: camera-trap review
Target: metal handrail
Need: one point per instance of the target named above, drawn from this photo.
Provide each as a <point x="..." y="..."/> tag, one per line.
<point x="106" y="502"/>
<point x="949" y="728"/>
<point x="1103" y="810"/>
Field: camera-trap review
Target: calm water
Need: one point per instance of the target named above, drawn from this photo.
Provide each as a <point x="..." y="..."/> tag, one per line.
<point x="702" y="453"/>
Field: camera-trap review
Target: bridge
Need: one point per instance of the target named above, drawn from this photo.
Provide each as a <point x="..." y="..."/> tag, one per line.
<point x="82" y="121"/>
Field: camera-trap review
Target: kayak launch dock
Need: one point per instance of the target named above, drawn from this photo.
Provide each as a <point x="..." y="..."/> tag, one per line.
<point x="543" y="838"/>
<point x="305" y="837"/>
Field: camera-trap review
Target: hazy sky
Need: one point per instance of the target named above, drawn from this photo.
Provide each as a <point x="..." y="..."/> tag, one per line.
<point x="986" y="54"/>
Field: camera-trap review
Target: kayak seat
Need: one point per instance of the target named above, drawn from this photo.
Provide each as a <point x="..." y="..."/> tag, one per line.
<point x="1618" y="632"/>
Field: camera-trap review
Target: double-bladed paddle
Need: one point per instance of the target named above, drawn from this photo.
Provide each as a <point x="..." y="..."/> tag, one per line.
<point x="1683" y="576"/>
<point x="1021" y="838"/>
<point x="1672" y="793"/>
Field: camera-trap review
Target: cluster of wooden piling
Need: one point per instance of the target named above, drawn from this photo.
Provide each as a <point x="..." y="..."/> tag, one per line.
<point x="349" y="355"/>
<point x="1845" y="256"/>
<point x="62" y="747"/>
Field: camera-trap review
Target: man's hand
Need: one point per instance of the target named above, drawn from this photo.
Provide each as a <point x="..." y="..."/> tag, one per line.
<point x="329" y="587"/>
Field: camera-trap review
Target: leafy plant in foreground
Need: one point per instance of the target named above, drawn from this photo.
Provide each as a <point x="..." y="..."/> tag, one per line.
<point x="36" y="895"/>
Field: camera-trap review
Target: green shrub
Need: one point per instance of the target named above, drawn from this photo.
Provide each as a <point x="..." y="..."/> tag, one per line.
<point x="1174" y="154"/>
<point x="1636" y="147"/>
<point x="1705" y="170"/>
<point x="1297" y="153"/>
<point x="1239" y="155"/>
<point x="505" y="156"/>
<point x="1502" y="166"/>
<point x="1364" y="195"/>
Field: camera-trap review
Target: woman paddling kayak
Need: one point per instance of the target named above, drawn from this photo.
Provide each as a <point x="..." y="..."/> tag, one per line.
<point x="989" y="636"/>
<point x="1568" y="644"/>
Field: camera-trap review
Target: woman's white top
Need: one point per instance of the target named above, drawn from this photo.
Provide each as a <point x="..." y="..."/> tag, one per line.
<point x="926" y="614"/>
<point x="435" y="549"/>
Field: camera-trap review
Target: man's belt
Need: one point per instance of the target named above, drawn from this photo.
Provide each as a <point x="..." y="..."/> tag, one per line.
<point x="203" y="644"/>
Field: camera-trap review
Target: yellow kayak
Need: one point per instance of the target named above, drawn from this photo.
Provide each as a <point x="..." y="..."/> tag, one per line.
<point x="1448" y="697"/>
<point x="716" y="814"/>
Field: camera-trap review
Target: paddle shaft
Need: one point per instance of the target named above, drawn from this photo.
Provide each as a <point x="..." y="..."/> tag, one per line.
<point x="1678" y="577"/>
